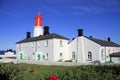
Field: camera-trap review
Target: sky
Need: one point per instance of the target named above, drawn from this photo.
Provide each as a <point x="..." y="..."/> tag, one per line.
<point x="98" y="18"/>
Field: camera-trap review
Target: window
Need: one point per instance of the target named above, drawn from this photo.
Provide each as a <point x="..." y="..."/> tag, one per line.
<point x="73" y="55"/>
<point x="102" y="54"/>
<point x="43" y="57"/>
<point x="46" y="56"/>
<point x="61" y="44"/>
<point x="102" y="51"/>
<point x="46" y="43"/>
<point x="89" y="56"/>
<point x="108" y="51"/>
<point x="33" y="56"/>
<point x="60" y="55"/>
<point x="19" y="47"/>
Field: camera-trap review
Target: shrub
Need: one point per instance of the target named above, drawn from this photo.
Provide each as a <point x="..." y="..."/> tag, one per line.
<point x="60" y="60"/>
<point x="39" y="72"/>
<point x="68" y="61"/>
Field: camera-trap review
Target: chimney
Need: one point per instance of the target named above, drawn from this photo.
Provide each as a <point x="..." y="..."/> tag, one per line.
<point x="80" y="32"/>
<point x="73" y="38"/>
<point x="28" y="35"/>
<point x="108" y="39"/>
<point x="91" y="36"/>
<point x="46" y="30"/>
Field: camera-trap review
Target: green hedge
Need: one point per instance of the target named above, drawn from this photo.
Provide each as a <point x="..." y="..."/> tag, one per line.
<point x="39" y="72"/>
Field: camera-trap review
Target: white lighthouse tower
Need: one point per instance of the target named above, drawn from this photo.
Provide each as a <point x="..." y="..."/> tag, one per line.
<point x="38" y="29"/>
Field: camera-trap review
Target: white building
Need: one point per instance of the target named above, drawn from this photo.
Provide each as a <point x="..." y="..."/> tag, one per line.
<point x="7" y="56"/>
<point x="87" y="49"/>
<point x="53" y="47"/>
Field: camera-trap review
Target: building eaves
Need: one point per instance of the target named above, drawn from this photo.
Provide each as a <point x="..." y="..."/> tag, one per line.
<point x="42" y="37"/>
<point x="115" y="54"/>
<point x="104" y="42"/>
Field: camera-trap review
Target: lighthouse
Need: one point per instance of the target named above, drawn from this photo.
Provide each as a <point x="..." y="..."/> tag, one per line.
<point x="38" y="29"/>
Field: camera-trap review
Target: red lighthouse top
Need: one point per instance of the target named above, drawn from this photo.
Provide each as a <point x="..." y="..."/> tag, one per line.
<point x="38" y="20"/>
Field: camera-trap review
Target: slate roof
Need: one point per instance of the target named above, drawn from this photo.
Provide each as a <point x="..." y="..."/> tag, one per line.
<point x="43" y="37"/>
<point x="104" y="42"/>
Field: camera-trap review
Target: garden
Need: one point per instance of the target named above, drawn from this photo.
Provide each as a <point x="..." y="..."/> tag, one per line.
<point x="24" y="71"/>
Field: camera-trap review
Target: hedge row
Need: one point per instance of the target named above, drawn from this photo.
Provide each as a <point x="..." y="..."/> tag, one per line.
<point x="38" y="72"/>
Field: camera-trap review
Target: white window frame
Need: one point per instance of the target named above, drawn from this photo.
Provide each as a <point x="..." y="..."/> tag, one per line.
<point x="46" y="43"/>
<point x="61" y="43"/>
<point x="73" y="55"/>
<point x="90" y="56"/>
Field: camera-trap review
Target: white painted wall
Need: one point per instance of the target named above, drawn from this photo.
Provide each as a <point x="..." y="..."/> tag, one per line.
<point x="107" y="51"/>
<point x="73" y="47"/>
<point x="80" y="45"/>
<point x="41" y="47"/>
<point x="27" y="49"/>
<point x="116" y="59"/>
<point x="31" y="49"/>
<point x="9" y="54"/>
<point x="63" y="49"/>
<point x="90" y="46"/>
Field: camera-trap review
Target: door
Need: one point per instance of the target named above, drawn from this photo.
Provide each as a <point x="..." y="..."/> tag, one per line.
<point x="21" y="56"/>
<point x="38" y="57"/>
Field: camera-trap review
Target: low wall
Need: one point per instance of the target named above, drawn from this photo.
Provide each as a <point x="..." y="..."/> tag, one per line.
<point x="52" y="63"/>
<point x="8" y="60"/>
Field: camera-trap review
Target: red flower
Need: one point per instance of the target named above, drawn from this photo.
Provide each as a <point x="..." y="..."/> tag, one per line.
<point x="32" y="71"/>
<point x="53" y="77"/>
<point x="14" y="65"/>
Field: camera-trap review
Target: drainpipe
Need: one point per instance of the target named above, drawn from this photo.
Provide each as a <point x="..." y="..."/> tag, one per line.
<point x="35" y="51"/>
<point x="105" y="54"/>
<point x="77" y="50"/>
<point x="36" y="46"/>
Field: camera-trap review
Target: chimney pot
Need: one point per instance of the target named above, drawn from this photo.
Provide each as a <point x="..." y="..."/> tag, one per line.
<point x="80" y="32"/>
<point x="28" y="35"/>
<point x="73" y="38"/>
<point x="109" y="39"/>
<point x="46" y="30"/>
<point x="91" y="36"/>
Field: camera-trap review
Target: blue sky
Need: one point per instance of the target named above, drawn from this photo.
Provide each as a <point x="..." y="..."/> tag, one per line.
<point x="98" y="18"/>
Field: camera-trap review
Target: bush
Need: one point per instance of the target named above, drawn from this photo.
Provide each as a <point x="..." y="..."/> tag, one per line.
<point x="68" y="61"/>
<point x="60" y="60"/>
<point x="39" y="72"/>
<point x="9" y="71"/>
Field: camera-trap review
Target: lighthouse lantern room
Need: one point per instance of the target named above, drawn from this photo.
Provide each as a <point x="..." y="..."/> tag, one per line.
<point x="38" y="30"/>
